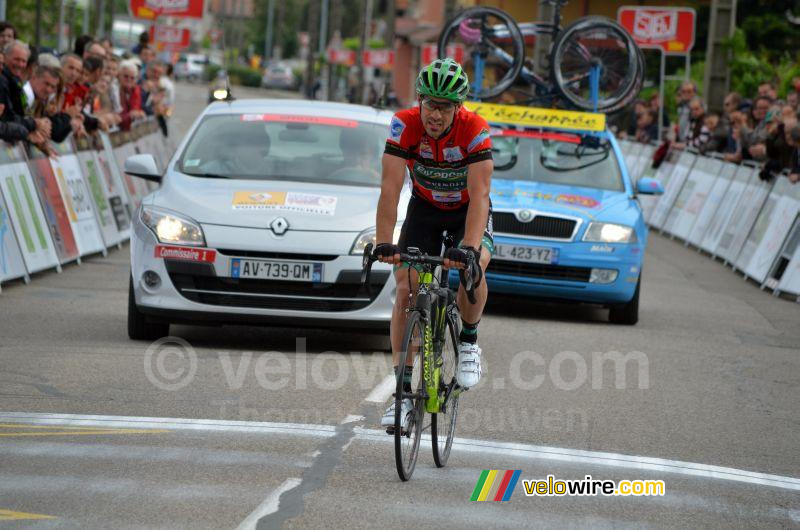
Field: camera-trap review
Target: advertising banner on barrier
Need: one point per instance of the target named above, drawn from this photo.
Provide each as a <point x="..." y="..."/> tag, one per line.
<point x="27" y="216"/>
<point x="12" y="265"/>
<point x="54" y="208"/>
<point x="790" y="281"/>
<point x="770" y="230"/>
<point x="672" y="188"/>
<point x="692" y="198"/>
<point x="139" y="187"/>
<point x="643" y="161"/>
<point x="107" y="204"/>
<point x="724" y="172"/>
<point x="747" y="209"/>
<point x="727" y="208"/>
<point x="105" y="156"/>
<point x="77" y="199"/>
<point x="662" y="174"/>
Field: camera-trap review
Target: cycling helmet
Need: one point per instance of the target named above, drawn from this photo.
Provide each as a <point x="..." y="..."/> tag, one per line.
<point x="443" y="78"/>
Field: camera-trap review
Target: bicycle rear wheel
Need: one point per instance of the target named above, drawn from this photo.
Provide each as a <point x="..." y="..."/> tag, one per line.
<point x="596" y="41"/>
<point x="406" y="443"/>
<point x="443" y="424"/>
<point x="490" y="47"/>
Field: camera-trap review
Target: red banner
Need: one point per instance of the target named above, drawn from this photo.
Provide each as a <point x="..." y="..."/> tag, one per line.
<point x="170" y="38"/>
<point x="378" y="58"/>
<point x="345" y="57"/>
<point x="54" y="208"/>
<point x="152" y="9"/>
<point x="663" y="28"/>
<point x="430" y="53"/>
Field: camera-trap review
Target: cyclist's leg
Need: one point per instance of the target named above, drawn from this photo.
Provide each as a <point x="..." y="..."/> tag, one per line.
<point x="471" y="313"/>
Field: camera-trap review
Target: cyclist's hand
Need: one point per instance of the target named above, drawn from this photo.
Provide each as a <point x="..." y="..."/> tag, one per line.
<point x="456" y="258"/>
<point x="387" y="253"/>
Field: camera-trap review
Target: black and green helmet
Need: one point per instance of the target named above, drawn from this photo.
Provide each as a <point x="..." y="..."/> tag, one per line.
<point x="443" y="78"/>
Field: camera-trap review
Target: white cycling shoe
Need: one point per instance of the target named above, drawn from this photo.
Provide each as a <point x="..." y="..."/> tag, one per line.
<point x="469" y="364"/>
<point x="406" y="408"/>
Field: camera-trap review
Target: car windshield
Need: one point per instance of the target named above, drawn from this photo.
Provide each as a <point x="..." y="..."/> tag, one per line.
<point x="556" y="158"/>
<point x="286" y="147"/>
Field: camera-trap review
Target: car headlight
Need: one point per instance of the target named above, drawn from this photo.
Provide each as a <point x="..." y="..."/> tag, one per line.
<point x="171" y="227"/>
<point x="609" y="233"/>
<point x="368" y="237"/>
<point x="220" y="94"/>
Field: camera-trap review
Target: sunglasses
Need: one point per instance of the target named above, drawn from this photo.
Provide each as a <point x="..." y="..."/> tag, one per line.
<point x="443" y="107"/>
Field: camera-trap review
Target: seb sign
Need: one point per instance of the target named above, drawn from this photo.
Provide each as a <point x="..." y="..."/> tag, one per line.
<point x="152" y="9"/>
<point x="170" y="38"/>
<point x="663" y="28"/>
<point x="374" y="58"/>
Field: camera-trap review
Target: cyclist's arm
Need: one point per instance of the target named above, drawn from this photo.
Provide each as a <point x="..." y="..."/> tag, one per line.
<point x="479" y="179"/>
<point x="392" y="178"/>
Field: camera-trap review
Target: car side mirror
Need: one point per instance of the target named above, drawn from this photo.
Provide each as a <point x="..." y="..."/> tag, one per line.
<point x="142" y="166"/>
<point x="649" y="186"/>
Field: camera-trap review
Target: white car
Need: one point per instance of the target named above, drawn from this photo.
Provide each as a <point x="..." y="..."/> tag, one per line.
<point x="191" y="67"/>
<point x="261" y="218"/>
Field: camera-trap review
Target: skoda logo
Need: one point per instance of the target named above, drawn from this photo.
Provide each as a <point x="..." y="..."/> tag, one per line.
<point x="525" y="215"/>
<point x="279" y="226"/>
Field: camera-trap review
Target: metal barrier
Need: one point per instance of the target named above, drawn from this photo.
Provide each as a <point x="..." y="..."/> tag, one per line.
<point x="726" y="210"/>
<point x="57" y="210"/>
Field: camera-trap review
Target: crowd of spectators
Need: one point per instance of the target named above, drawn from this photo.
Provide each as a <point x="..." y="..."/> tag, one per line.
<point x="45" y="97"/>
<point x="763" y="128"/>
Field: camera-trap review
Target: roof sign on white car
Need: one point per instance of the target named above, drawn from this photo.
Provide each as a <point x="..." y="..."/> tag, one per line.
<point x="538" y="117"/>
<point x="292" y="118"/>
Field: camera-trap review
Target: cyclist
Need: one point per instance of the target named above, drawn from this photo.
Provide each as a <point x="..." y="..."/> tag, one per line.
<point x="448" y="153"/>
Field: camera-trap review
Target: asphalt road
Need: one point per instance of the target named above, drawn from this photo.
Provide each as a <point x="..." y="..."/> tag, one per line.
<point x="278" y="426"/>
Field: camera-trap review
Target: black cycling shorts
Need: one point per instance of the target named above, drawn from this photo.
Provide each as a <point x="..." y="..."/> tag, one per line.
<point x="425" y="225"/>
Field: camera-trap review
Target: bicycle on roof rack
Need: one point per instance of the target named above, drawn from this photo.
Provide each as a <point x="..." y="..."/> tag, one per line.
<point x="595" y="65"/>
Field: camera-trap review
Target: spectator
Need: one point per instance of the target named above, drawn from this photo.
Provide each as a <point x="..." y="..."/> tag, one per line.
<point x="41" y="87"/>
<point x="767" y="89"/>
<point x="719" y="132"/>
<point x="733" y="151"/>
<point x="94" y="49"/>
<point x="81" y="43"/>
<point x="698" y="133"/>
<point x="654" y="105"/>
<point x="144" y="40"/>
<point x="130" y="95"/>
<point x="13" y="98"/>
<point x="647" y="126"/>
<point x="167" y="87"/>
<point x="639" y="107"/>
<point x="111" y="70"/>
<point x="753" y="140"/>
<point x="146" y="55"/>
<point x="7" y="34"/>
<point x="75" y="91"/>
<point x="2" y="59"/>
<point x="794" y="172"/>
<point x="780" y="146"/>
<point x="792" y="99"/>
<point x="686" y="93"/>
<point x="108" y="46"/>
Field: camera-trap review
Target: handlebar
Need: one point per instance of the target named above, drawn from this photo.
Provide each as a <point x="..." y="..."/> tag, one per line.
<point x="418" y="258"/>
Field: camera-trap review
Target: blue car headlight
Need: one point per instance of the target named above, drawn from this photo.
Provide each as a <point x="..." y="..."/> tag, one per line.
<point x="598" y="232"/>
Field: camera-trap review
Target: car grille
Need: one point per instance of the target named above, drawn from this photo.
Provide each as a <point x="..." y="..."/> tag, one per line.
<point x="276" y="255"/>
<point x="535" y="270"/>
<point x="198" y="282"/>
<point x="539" y="226"/>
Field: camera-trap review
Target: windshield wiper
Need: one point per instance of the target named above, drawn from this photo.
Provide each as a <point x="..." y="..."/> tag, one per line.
<point x="208" y="175"/>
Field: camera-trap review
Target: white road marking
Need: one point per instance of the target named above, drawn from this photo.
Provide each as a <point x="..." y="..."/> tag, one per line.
<point x="270" y="504"/>
<point x="459" y="444"/>
<point x="384" y="389"/>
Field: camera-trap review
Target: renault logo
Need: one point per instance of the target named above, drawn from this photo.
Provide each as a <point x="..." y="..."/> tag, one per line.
<point x="525" y="215"/>
<point x="279" y="226"/>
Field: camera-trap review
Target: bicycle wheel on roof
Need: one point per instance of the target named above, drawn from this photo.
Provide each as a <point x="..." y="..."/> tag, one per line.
<point x="490" y="47"/>
<point x="590" y="42"/>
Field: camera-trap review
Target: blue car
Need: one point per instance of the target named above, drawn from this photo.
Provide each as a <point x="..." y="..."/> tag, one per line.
<point x="567" y="223"/>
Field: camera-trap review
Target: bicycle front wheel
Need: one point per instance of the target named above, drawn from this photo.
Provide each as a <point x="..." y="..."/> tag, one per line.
<point x="443" y="424"/>
<point x="590" y="42"/>
<point x="406" y="441"/>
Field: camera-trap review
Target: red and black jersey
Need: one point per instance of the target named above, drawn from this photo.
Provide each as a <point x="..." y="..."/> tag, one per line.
<point x="438" y="166"/>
